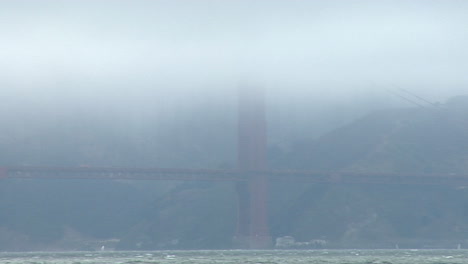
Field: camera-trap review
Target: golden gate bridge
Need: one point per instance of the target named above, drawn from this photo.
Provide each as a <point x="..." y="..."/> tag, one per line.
<point x="251" y="176"/>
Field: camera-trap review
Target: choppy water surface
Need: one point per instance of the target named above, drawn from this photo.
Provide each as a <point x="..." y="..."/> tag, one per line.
<point x="243" y="256"/>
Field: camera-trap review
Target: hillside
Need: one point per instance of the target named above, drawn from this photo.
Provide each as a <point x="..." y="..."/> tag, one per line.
<point x="427" y="140"/>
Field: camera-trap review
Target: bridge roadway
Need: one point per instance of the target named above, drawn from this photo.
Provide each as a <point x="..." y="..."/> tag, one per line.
<point x="114" y="173"/>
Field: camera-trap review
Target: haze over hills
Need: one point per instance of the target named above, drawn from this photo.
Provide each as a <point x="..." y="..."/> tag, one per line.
<point x="429" y="139"/>
<point x="161" y="215"/>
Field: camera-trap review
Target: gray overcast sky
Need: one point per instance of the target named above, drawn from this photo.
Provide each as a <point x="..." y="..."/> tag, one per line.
<point x="60" y="50"/>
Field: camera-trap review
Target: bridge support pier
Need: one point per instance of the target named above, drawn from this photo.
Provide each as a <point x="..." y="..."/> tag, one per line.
<point x="259" y="232"/>
<point x="252" y="216"/>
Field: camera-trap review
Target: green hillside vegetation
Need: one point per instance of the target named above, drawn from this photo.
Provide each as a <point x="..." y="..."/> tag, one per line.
<point x="426" y="140"/>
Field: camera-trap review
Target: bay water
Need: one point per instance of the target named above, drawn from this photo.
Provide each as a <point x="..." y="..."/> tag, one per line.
<point x="241" y="256"/>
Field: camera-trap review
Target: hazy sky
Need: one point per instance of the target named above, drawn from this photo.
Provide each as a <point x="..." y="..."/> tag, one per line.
<point x="111" y="50"/>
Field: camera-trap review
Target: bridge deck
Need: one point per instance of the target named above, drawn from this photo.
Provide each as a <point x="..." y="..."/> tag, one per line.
<point x="112" y="173"/>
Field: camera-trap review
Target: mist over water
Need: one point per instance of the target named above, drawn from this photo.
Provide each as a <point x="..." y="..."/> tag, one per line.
<point x="162" y="60"/>
<point x="112" y="51"/>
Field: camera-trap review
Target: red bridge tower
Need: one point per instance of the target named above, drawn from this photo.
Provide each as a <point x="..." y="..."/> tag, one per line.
<point x="252" y="225"/>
